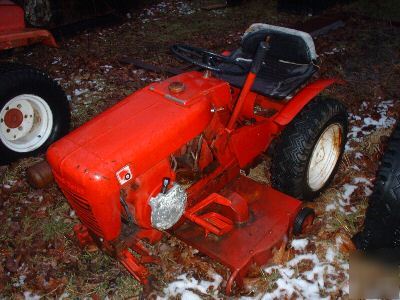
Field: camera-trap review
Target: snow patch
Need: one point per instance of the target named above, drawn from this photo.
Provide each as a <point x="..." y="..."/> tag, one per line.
<point x="21" y="281"/>
<point x="179" y="8"/>
<point x="184" y="287"/>
<point x="364" y="125"/>
<point x="299" y="244"/>
<point x="78" y="92"/>
<point x="330" y="255"/>
<point x="313" y="283"/>
<point x="334" y="51"/>
<point x="30" y="296"/>
<point x="348" y="190"/>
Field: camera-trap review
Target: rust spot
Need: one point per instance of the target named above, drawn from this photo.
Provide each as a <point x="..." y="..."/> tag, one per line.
<point x="176" y="87"/>
<point x="13" y="118"/>
<point x="135" y="186"/>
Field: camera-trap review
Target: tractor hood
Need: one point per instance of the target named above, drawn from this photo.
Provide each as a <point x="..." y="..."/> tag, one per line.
<point x="139" y="132"/>
<point x="142" y="129"/>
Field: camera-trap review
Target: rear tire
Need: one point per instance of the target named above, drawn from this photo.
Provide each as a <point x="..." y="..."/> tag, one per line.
<point x="34" y="112"/>
<point x="382" y="220"/>
<point x="309" y="149"/>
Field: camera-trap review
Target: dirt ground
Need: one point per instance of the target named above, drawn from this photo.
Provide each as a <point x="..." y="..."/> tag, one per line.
<point x="39" y="255"/>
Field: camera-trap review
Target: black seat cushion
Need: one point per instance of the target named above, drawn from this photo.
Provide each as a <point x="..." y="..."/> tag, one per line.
<point x="276" y="79"/>
<point x="282" y="46"/>
<point x="288" y="65"/>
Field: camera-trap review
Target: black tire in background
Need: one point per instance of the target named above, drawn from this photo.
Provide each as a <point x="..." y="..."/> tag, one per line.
<point x="291" y="160"/>
<point x="382" y="220"/>
<point x="17" y="80"/>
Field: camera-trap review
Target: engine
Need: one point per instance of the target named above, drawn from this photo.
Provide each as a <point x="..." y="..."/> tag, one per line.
<point x="134" y="162"/>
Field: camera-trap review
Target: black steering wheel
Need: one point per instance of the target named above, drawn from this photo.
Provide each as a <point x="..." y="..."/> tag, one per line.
<point x="210" y="60"/>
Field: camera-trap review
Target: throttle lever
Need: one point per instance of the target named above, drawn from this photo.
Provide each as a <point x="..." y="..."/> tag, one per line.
<point x="260" y="56"/>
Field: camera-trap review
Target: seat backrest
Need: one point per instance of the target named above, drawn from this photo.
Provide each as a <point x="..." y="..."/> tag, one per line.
<point x="285" y="43"/>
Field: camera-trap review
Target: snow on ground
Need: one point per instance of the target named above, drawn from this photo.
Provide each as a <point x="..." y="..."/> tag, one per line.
<point x="186" y="286"/>
<point x="307" y="275"/>
<point x="31" y="296"/>
<point x="334" y="51"/>
<point x="361" y="127"/>
<point x="179" y="8"/>
<point x="299" y="244"/>
<point x="365" y="124"/>
<point x="310" y="274"/>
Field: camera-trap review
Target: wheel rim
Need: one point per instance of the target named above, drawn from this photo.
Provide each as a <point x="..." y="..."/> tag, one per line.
<point x="26" y="122"/>
<point x="324" y="157"/>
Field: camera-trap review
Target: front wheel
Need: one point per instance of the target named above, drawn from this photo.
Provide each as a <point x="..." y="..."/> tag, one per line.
<point x="34" y="112"/>
<point x="309" y="149"/>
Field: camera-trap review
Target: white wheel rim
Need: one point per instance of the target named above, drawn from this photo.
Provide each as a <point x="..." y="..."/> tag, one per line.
<point x="324" y="157"/>
<point x="26" y="122"/>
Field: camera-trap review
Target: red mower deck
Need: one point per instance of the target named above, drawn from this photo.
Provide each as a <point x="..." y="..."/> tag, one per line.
<point x="271" y="216"/>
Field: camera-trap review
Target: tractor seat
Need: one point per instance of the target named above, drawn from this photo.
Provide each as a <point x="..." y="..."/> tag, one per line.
<point x="288" y="65"/>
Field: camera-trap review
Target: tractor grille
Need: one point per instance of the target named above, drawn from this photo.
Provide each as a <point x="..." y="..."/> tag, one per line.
<point x="84" y="212"/>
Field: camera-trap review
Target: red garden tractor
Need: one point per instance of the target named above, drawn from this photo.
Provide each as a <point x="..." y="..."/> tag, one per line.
<point x="173" y="156"/>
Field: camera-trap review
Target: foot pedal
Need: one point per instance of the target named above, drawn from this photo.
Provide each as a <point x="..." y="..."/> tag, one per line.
<point x="212" y="221"/>
<point x="220" y="223"/>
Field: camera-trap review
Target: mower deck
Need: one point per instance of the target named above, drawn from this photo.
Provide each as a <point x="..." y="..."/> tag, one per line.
<point x="271" y="215"/>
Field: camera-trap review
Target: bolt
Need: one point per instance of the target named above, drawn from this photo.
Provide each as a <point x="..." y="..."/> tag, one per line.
<point x="7" y="108"/>
<point x="39" y="136"/>
<point x="1" y="120"/>
<point x="19" y="105"/>
<point x="20" y="128"/>
<point x="8" y="130"/>
<point x="25" y="116"/>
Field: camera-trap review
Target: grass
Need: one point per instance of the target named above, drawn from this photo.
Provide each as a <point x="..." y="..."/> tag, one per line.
<point x="372" y="144"/>
<point x="55" y="225"/>
<point x="347" y="222"/>
<point x="203" y="28"/>
<point x="103" y="276"/>
<point x="270" y="279"/>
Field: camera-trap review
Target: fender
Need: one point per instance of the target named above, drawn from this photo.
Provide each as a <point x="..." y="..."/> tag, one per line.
<point x="294" y="106"/>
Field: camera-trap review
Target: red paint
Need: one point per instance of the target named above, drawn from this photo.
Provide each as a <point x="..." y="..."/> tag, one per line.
<point x="271" y="216"/>
<point x="301" y="99"/>
<point x="13" y="118"/>
<point x="147" y="131"/>
<point x="11" y="16"/>
<point x="13" y="32"/>
<point x="242" y="98"/>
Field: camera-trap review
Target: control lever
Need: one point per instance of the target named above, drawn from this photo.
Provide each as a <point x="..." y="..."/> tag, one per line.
<point x="251" y="77"/>
<point x="260" y="56"/>
<point x="165" y="184"/>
